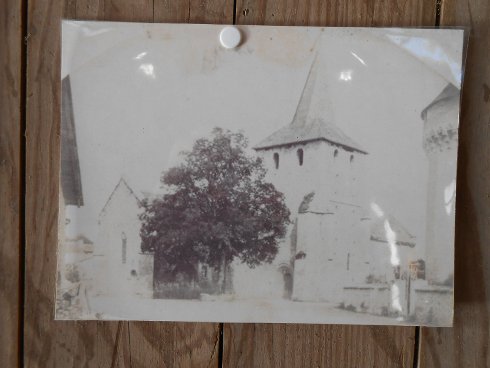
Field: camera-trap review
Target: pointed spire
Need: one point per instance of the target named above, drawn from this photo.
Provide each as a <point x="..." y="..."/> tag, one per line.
<point x="308" y="125"/>
<point x="304" y="105"/>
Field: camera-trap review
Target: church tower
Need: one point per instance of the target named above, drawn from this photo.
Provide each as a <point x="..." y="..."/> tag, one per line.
<point x="317" y="167"/>
<point x="311" y="154"/>
<point x="440" y="145"/>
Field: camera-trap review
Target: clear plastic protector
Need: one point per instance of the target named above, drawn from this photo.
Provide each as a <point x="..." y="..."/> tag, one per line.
<point x="307" y="175"/>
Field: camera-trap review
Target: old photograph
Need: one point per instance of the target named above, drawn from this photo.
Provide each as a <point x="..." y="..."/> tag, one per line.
<point x="306" y="176"/>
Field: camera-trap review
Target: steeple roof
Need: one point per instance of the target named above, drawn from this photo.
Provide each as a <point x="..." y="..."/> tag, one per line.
<point x="315" y="130"/>
<point x="306" y="128"/>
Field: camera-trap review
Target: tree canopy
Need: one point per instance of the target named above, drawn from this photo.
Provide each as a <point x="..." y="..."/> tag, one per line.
<point x="218" y="207"/>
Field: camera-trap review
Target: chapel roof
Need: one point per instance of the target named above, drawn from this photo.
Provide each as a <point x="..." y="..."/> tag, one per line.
<point x="306" y="128"/>
<point x="81" y="237"/>
<point x="121" y="184"/>
<point x="319" y="203"/>
<point x="382" y="226"/>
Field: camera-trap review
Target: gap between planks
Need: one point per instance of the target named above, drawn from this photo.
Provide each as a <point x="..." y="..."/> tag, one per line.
<point x="22" y="230"/>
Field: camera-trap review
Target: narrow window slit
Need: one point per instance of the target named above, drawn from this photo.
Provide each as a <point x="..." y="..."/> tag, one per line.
<point x="300" y="156"/>
<point x="276" y="160"/>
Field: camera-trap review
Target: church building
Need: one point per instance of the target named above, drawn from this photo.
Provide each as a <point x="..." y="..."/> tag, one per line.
<point x="334" y="241"/>
<point x="124" y="269"/>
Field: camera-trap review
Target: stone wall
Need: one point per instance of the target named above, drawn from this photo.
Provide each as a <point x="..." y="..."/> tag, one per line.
<point x="373" y="299"/>
<point x="433" y="305"/>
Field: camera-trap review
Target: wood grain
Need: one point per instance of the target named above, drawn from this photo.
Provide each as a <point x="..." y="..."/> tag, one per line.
<point x="99" y="344"/>
<point x="467" y="343"/>
<point x="288" y="345"/>
<point x="354" y="13"/>
<point x="194" y="11"/>
<point x="141" y="344"/>
<point x="10" y="178"/>
<point x="257" y="345"/>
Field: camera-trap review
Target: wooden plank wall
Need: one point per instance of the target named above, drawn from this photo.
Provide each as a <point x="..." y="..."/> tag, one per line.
<point x="249" y="345"/>
<point x="63" y="344"/>
<point x="11" y="207"/>
<point x="30" y="94"/>
<point x="466" y="344"/>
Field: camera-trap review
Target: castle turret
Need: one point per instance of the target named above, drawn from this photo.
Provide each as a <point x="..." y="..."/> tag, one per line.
<point x="440" y="145"/>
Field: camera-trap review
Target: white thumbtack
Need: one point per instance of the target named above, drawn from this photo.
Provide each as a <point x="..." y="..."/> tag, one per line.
<point x="230" y="37"/>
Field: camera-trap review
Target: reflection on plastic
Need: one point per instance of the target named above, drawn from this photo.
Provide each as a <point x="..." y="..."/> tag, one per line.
<point x="433" y="55"/>
<point x="375" y="116"/>
<point x="346" y="75"/>
<point x="140" y="56"/>
<point x="358" y="58"/>
<point x="148" y="69"/>
<point x="377" y="209"/>
<point x="450" y="196"/>
<point x="395" y="298"/>
<point x="390" y="235"/>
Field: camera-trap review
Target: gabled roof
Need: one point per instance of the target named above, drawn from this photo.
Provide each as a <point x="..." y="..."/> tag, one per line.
<point x="71" y="183"/>
<point x="450" y="91"/>
<point x="315" y="129"/>
<point x="121" y="183"/>
<point x="379" y="232"/>
<point x="305" y="128"/>
<point x="81" y="237"/>
<point x="319" y="203"/>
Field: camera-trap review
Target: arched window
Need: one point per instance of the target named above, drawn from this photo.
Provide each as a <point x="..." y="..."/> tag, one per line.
<point x="276" y="160"/>
<point x="351" y="158"/>
<point x="335" y="153"/>
<point x="123" y="247"/>
<point x="300" y="156"/>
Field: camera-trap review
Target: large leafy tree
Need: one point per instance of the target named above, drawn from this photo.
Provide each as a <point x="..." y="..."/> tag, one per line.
<point x="218" y="207"/>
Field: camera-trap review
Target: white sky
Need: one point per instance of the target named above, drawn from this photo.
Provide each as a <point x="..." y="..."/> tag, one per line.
<point x="144" y="92"/>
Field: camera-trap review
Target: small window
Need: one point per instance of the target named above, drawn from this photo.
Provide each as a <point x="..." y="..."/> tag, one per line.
<point x="348" y="261"/>
<point x="123" y="247"/>
<point x="276" y="160"/>
<point x="351" y="158"/>
<point x="134" y="273"/>
<point x="335" y="153"/>
<point x="300" y="156"/>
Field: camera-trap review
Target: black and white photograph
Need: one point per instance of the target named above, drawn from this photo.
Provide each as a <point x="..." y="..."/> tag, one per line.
<point x="305" y="175"/>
